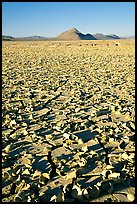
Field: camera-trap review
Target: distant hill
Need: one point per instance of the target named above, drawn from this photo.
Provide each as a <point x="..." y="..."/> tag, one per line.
<point x="7" y="37"/>
<point x="34" y="37"/>
<point x="74" y="34"/>
<point x="128" y="37"/>
<point x="100" y="36"/>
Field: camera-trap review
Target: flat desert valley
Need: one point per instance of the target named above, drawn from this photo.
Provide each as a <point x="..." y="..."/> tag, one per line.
<point x="68" y="121"/>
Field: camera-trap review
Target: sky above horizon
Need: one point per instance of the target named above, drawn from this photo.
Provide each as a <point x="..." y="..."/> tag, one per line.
<point x="49" y="19"/>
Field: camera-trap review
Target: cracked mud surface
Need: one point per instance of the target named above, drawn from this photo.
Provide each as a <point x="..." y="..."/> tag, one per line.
<point x="68" y="114"/>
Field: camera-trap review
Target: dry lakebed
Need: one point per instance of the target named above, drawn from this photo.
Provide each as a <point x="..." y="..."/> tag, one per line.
<point x="68" y="121"/>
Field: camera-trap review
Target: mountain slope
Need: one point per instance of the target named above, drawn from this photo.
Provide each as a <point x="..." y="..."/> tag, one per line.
<point x="7" y="37"/>
<point x="100" y="36"/>
<point x="74" y="34"/>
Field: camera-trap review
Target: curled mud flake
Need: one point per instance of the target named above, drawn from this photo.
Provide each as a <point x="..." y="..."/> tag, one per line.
<point x="45" y="175"/>
<point x="26" y="172"/>
<point x="7" y="175"/>
<point x="108" y="167"/>
<point x="115" y="177"/>
<point x="130" y="197"/>
<point x="131" y="156"/>
<point x="29" y="199"/>
<point x="85" y="193"/>
<point x="71" y="174"/>
<point x="24" y="124"/>
<point x="53" y="198"/>
<point x="82" y="162"/>
<point x="26" y="187"/>
<point x="80" y="141"/>
<point x="36" y="174"/>
<point x="7" y="148"/>
<point x="124" y="156"/>
<point x="12" y="123"/>
<point x="66" y="135"/>
<point x="25" y="132"/>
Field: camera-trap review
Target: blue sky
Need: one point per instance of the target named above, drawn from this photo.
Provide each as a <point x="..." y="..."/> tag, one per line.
<point x="49" y="19"/>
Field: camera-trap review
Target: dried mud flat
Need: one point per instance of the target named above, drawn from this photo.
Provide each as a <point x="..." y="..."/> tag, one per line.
<point x="68" y="114"/>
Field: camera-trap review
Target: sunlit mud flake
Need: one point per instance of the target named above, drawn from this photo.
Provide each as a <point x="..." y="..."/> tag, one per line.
<point x="13" y="123"/>
<point x="62" y="153"/>
<point x="25" y="132"/>
<point x="25" y="160"/>
<point x="86" y="135"/>
<point x="26" y="187"/>
<point x="34" y="127"/>
<point x="115" y="176"/>
<point x="6" y="132"/>
<point x="130" y="147"/>
<point x="24" y="124"/>
<point x="131" y="125"/>
<point x="30" y="117"/>
<point x="66" y="135"/>
<point x="71" y="174"/>
<point x="26" y="172"/>
<point x="53" y="198"/>
<point x="7" y="176"/>
<point x="118" y="116"/>
<point x="130" y="197"/>
<point x="82" y="162"/>
<point x="8" y="148"/>
<point x="77" y="109"/>
<point x="41" y="112"/>
<point x="85" y="193"/>
<point x="36" y="174"/>
<point x="124" y="156"/>
<point x="107" y="124"/>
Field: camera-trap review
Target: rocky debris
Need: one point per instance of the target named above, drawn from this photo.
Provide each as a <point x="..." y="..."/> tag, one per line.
<point x="68" y="122"/>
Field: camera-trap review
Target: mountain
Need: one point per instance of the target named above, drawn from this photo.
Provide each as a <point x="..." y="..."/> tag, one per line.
<point x="35" y="37"/>
<point x="7" y="37"/>
<point x="100" y="36"/>
<point x="74" y="34"/>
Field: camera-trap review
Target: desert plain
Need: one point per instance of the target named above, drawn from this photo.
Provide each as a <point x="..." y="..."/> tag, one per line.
<point x="68" y="121"/>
